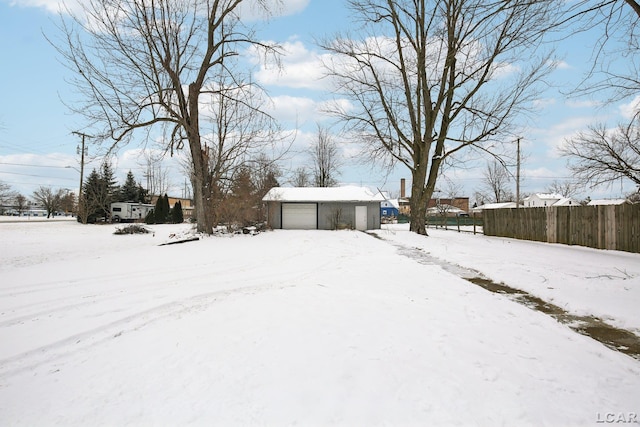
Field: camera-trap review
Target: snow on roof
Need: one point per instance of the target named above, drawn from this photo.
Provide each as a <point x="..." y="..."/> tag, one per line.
<point x="607" y="202"/>
<point x="495" y="206"/>
<point x="322" y="194"/>
<point x="566" y="201"/>
<point x="550" y="196"/>
<point x="392" y="203"/>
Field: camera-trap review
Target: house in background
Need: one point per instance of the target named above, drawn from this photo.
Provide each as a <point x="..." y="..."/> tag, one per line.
<point x="456" y="203"/>
<point x="538" y="200"/>
<point x="502" y="205"/>
<point x="389" y="210"/>
<point x="453" y="204"/>
<point x="323" y="208"/>
<point x="602" y="202"/>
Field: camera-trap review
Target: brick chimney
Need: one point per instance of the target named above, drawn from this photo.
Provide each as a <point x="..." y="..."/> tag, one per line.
<point x="402" y="188"/>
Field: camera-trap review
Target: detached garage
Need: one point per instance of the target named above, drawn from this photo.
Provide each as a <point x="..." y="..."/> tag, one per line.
<point x="327" y="208"/>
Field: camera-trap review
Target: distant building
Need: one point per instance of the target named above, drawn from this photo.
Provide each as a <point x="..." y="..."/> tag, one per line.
<point x="323" y="208"/>
<point x="538" y="200"/>
<point x="389" y="209"/>
<point x="486" y="206"/>
<point x="602" y="202"/>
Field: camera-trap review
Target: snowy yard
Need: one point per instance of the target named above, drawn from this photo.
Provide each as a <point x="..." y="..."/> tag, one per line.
<point x="310" y="328"/>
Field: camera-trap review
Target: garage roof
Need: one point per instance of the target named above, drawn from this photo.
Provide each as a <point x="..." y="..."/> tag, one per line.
<point x="322" y="194"/>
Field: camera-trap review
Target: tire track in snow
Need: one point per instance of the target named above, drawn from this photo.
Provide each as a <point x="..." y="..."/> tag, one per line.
<point x="239" y="285"/>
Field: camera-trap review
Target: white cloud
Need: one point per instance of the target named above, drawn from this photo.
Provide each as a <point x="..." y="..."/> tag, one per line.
<point x="249" y="9"/>
<point x="504" y="69"/>
<point x="583" y="104"/>
<point x="300" y="68"/>
<point x="630" y="109"/>
<point x="561" y="65"/>
<point x="542" y="103"/>
<point x="295" y="109"/>
<point x="53" y="6"/>
<point x="252" y="10"/>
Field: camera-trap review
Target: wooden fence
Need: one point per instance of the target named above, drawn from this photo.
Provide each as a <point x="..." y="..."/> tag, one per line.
<point x="615" y="227"/>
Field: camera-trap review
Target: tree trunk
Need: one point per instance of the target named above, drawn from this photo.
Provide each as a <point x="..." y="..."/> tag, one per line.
<point x="202" y="191"/>
<point x="419" y="200"/>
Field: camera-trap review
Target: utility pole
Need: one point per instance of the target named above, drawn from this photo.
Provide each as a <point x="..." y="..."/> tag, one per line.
<point x="82" y="153"/>
<point x="518" y="176"/>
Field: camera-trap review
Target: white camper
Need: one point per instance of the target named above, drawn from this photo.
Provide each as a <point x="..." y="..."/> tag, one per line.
<point x="129" y="211"/>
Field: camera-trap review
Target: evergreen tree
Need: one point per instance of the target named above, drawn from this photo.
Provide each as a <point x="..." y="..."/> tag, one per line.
<point x="151" y="217"/>
<point x="132" y="191"/>
<point x="166" y="209"/>
<point x="158" y="214"/>
<point x="129" y="191"/>
<point x="110" y="189"/>
<point x="162" y="210"/>
<point x="91" y="197"/>
<point x="177" y="216"/>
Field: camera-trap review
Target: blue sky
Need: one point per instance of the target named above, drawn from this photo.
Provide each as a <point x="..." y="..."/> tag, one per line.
<point x="37" y="146"/>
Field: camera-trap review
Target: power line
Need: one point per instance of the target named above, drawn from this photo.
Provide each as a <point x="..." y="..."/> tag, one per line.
<point x="37" y="176"/>
<point x="34" y="166"/>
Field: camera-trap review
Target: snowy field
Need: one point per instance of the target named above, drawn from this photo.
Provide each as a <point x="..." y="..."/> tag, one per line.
<point x="308" y="328"/>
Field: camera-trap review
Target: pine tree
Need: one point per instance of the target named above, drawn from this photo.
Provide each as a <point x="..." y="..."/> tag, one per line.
<point x="162" y="210"/>
<point x="129" y="191"/>
<point x="151" y="217"/>
<point x="110" y="189"/>
<point x="166" y="209"/>
<point x="158" y="214"/>
<point x="91" y="198"/>
<point x="177" y="216"/>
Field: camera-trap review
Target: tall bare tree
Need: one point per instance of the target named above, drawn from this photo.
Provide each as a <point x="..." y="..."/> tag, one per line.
<point x="49" y="199"/>
<point x="7" y="195"/>
<point x="426" y="79"/>
<point x="157" y="177"/>
<point x="564" y="188"/>
<point x="601" y="156"/>
<point x="152" y="64"/>
<point x="495" y="183"/>
<point x="619" y="22"/>
<point x="325" y="158"/>
<point x="21" y="204"/>
<point x="301" y="177"/>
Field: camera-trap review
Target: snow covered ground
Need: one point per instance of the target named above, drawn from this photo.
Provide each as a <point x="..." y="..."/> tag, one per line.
<point x="310" y="328"/>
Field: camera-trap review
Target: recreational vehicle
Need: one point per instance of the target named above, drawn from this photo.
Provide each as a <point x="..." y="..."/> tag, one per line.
<point x="129" y="211"/>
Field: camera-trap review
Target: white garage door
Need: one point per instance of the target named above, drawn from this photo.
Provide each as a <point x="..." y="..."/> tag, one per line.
<point x="299" y="216"/>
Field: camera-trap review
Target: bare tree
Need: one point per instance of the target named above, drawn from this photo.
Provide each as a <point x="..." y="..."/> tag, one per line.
<point x="157" y="177"/>
<point x="21" y="204"/>
<point x="325" y="158"/>
<point x="301" y="177"/>
<point x="619" y="22"/>
<point x="565" y="189"/>
<point x="495" y="183"/>
<point x="600" y="155"/>
<point x="49" y="199"/>
<point x="427" y="79"/>
<point x="6" y="194"/>
<point x="145" y="65"/>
